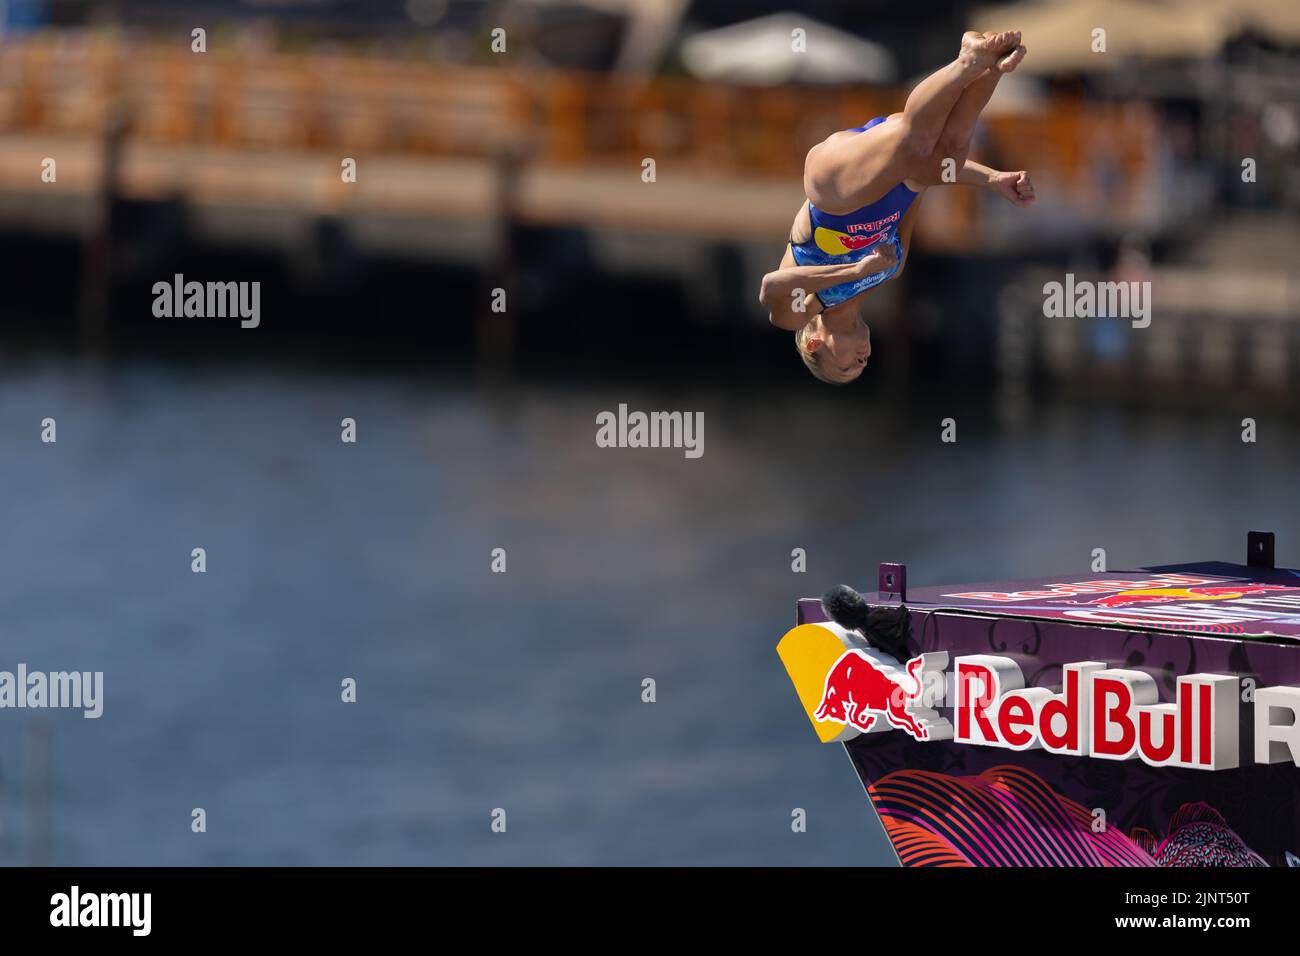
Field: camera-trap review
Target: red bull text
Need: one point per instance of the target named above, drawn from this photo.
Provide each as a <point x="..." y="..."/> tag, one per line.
<point x="1101" y="712"/>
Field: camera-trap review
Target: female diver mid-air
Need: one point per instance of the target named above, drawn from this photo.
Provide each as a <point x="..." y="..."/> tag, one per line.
<point x="862" y="186"/>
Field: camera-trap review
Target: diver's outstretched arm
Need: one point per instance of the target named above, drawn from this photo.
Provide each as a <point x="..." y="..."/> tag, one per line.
<point x="1015" y="187"/>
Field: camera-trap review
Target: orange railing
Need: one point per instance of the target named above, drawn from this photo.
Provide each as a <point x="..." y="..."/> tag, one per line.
<point x="68" y="84"/>
<point x="1095" y="159"/>
<point x="370" y="104"/>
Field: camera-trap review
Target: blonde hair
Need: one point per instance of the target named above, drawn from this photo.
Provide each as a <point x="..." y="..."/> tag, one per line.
<point x="810" y="358"/>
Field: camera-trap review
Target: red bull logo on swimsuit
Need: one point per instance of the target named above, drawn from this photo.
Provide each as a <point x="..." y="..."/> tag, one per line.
<point x="858" y="235"/>
<point x="835" y="243"/>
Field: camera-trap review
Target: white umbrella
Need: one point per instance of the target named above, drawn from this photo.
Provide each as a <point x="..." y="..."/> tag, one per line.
<point x="769" y="51"/>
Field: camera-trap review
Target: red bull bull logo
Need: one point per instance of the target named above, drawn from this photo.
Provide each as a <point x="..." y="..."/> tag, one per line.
<point x="858" y="692"/>
<point x="847" y="690"/>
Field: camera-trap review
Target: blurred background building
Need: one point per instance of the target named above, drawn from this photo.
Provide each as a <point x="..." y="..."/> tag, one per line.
<point x="521" y="169"/>
<point x="474" y="162"/>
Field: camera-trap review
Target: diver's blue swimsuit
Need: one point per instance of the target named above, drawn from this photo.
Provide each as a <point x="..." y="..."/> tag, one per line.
<point x="848" y="238"/>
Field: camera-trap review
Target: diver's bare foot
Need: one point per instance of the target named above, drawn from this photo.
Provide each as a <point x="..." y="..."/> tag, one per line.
<point x="985" y="49"/>
<point x="1011" y="60"/>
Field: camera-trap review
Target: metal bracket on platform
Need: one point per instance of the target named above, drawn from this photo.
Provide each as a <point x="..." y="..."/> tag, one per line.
<point x="1259" y="549"/>
<point x="892" y="581"/>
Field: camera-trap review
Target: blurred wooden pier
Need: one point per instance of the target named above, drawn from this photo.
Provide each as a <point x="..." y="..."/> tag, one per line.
<point x="254" y="141"/>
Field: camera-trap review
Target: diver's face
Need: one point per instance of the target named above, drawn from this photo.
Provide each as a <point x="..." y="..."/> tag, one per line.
<point x="846" y="353"/>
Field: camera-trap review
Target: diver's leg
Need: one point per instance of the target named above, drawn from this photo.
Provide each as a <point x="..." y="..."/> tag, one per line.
<point x="932" y="101"/>
<point x="849" y="170"/>
<point x="953" y="147"/>
<point x="945" y="163"/>
<point x="959" y="129"/>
